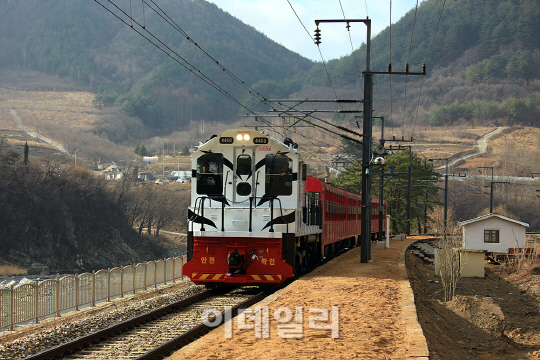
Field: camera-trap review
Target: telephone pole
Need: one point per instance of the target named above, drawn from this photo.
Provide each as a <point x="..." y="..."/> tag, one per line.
<point x="365" y="237"/>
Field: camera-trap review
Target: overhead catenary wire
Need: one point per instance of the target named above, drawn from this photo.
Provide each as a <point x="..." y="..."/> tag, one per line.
<point x="321" y="55"/>
<point x="171" y="22"/>
<point x="352" y="47"/>
<point x="425" y="62"/>
<point x="183" y="62"/>
<point x="407" y="64"/>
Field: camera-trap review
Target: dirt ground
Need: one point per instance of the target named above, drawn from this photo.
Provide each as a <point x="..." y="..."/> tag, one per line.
<point x="489" y="318"/>
<point x="372" y="324"/>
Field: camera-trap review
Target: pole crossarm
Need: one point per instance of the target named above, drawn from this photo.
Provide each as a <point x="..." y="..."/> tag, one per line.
<point x="315" y="111"/>
<point x="339" y="101"/>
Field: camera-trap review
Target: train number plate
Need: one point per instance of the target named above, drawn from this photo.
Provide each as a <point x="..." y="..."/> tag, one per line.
<point x="226" y="140"/>
<point x="260" y="140"/>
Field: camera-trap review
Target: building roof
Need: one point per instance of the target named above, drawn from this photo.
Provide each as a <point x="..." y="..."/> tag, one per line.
<point x="484" y="217"/>
<point x="119" y="163"/>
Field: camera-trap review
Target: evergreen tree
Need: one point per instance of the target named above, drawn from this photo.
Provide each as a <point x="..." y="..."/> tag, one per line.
<point x="185" y="150"/>
<point x="143" y="151"/>
<point x="137" y="149"/>
<point x="423" y="191"/>
<point x="25" y="161"/>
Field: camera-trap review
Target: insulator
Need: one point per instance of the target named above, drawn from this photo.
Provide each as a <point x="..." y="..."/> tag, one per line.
<point x="424" y="69"/>
<point x="407" y="68"/>
<point x="317" y="36"/>
<point x="390" y="67"/>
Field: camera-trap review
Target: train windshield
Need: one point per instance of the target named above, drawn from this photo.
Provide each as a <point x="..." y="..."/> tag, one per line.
<point x="210" y="174"/>
<point x="279" y="175"/>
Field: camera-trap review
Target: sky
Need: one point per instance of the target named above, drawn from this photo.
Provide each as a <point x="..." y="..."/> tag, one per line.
<point x="277" y="20"/>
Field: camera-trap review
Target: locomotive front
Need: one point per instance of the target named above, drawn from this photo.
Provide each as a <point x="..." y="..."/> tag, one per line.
<point x="242" y="222"/>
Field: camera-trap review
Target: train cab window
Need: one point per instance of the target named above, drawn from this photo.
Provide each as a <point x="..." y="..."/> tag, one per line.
<point x="279" y="176"/>
<point x="210" y="174"/>
<point x="243" y="165"/>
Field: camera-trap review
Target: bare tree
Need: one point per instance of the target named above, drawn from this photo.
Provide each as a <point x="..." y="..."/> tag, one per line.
<point x="448" y="254"/>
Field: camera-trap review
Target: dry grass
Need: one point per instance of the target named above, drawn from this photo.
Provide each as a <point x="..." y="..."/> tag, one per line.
<point x="10" y="270"/>
<point x="521" y="267"/>
<point x="71" y="119"/>
<point x="459" y="134"/>
<point x="36" y="108"/>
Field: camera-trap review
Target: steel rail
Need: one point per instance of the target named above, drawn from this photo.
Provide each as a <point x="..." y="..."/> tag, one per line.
<point x="70" y="347"/>
<point x="189" y="336"/>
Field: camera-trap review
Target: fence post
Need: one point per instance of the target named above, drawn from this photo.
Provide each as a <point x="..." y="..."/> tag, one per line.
<point x="108" y="285"/>
<point x="134" y="278"/>
<point x="12" y="309"/>
<point x="145" y="274"/>
<point x="182" y="267"/>
<point x="174" y="270"/>
<point x="155" y="274"/>
<point x="165" y="272"/>
<point x="122" y="282"/>
<point x="93" y="287"/>
<point x="58" y="296"/>
<point x="37" y="302"/>
<point x="76" y="292"/>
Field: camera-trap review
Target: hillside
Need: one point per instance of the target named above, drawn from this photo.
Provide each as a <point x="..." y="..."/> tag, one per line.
<point x="63" y="220"/>
<point x="483" y="67"/>
<point x="81" y="41"/>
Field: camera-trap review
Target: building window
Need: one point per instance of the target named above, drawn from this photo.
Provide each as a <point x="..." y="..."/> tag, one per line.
<point x="491" y="236"/>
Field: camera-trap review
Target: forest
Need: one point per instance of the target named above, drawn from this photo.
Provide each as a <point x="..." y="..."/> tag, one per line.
<point x="490" y="43"/>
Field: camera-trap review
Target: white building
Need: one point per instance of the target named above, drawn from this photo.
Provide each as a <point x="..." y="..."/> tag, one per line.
<point x="493" y="233"/>
<point x="182" y="175"/>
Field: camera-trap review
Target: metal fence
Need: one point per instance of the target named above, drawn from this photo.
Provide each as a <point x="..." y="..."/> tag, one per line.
<point x="34" y="302"/>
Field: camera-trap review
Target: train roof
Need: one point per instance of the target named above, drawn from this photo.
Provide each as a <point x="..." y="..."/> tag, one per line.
<point x="317" y="185"/>
<point x="249" y="137"/>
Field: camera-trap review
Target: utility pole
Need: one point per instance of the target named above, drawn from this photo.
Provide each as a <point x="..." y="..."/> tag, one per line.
<point x="365" y="238"/>
<point x="491" y="193"/>
<point x="163" y="168"/>
<point x="445" y="194"/>
<point x="409" y="185"/>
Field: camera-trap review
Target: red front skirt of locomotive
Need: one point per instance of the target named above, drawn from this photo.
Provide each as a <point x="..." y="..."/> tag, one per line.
<point x="210" y="261"/>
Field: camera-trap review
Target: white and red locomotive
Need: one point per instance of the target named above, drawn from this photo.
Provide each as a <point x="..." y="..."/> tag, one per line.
<point x="256" y="217"/>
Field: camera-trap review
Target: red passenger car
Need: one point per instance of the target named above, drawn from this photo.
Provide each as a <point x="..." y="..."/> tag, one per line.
<point x="341" y="215"/>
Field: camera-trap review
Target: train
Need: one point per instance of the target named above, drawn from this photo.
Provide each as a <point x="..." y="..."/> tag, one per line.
<point x="256" y="215"/>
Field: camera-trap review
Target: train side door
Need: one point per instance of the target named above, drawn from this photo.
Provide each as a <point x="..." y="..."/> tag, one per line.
<point x="243" y="175"/>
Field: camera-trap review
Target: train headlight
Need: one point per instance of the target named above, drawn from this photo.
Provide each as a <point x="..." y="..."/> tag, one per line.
<point x="243" y="137"/>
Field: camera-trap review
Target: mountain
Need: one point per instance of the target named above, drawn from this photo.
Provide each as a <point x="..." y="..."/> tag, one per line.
<point x="483" y="64"/>
<point x="482" y="58"/>
<point x="81" y="40"/>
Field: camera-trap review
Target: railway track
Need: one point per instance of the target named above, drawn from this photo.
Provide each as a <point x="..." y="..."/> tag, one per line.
<point x="158" y="333"/>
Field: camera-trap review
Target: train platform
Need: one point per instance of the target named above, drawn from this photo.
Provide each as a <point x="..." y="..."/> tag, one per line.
<point x="341" y="310"/>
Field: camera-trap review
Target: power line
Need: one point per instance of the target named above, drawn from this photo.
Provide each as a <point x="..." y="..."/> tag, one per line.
<point x="407" y="64"/>
<point x="169" y="52"/>
<point x="321" y="55"/>
<point x="352" y="47"/>
<point x="425" y="62"/>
